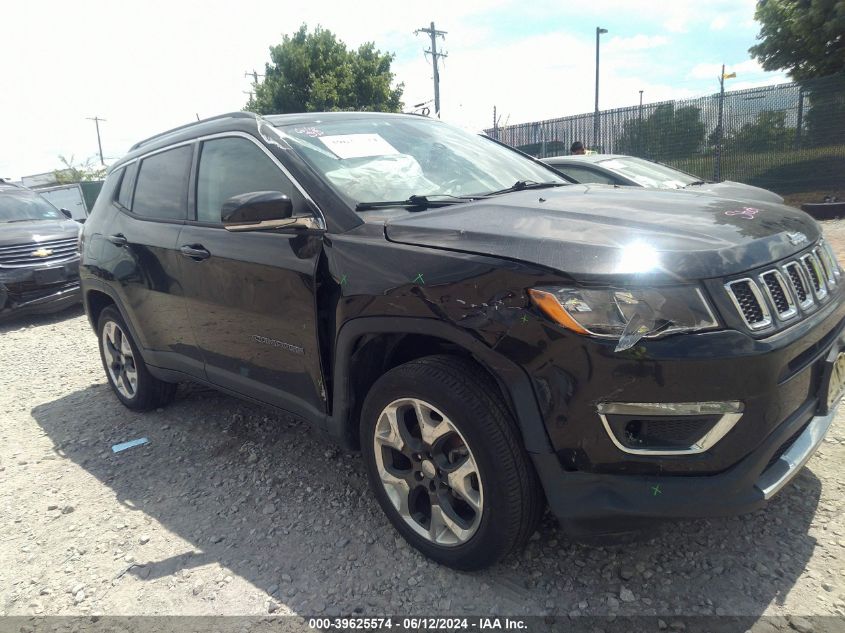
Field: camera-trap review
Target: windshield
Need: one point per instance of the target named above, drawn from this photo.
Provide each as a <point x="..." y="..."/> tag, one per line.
<point x="25" y="206"/>
<point x="372" y="159"/>
<point x="648" y="174"/>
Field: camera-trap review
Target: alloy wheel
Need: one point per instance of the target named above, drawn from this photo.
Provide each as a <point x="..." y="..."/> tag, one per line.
<point x="428" y="471"/>
<point x="120" y="361"/>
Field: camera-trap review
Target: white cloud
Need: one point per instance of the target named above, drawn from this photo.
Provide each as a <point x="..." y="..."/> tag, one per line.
<point x="748" y="68"/>
<point x="635" y="43"/>
<point x="718" y="23"/>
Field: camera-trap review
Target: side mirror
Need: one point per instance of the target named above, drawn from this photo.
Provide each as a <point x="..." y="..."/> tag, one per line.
<point x="255" y="207"/>
<point x="261" y="211"/>
<point x="66" y="213"/>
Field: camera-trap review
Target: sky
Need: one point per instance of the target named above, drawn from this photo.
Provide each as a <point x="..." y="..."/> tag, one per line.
<point x="162" y="64"/>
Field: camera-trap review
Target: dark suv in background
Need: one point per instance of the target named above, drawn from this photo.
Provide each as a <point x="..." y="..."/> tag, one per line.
<point x="491" y="337"/>
<point x="39" y="262"/>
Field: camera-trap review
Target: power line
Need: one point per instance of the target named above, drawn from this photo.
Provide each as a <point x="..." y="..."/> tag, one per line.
<point x="433" y="33"/>
<point x="96" y="121"/>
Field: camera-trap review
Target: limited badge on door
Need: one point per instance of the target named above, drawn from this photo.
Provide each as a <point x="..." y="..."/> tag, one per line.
<point x="836" y="384"/>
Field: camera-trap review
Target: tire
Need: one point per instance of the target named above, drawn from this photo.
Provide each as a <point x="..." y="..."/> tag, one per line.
<point x="125" y="369"/>
<point x="464" y="494"/>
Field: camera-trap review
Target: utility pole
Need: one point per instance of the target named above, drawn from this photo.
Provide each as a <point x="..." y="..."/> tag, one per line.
<point x="433" y="33"/>
<point x="255" y="75"/>
<point x="96" y="121"/>
<point x="596" y="125"/>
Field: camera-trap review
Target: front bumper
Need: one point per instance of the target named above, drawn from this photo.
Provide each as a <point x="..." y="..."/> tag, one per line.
<point x="39" y="290"/>
<point x="593" y="485"/>
<point x="599" y="503"/>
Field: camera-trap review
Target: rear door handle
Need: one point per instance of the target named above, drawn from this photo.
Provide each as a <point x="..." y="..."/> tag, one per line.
<point x="117" y="240"/>
<point x="195" y="252"/>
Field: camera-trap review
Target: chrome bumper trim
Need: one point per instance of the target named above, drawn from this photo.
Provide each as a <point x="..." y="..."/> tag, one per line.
<point x="731" y="412"/>
<point x="790" y="463"/>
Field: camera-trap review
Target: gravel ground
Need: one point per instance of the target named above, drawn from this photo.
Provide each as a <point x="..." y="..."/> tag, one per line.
<point x="237" y="510"/>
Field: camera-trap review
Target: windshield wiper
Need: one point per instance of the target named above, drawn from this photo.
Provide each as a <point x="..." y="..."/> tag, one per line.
<point x="699" y="182"/>
<point x="416" y="202"/>
<point x="521" y="185"/>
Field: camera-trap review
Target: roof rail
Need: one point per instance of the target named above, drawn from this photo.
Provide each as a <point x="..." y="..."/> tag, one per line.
<point x="228" y="115"/>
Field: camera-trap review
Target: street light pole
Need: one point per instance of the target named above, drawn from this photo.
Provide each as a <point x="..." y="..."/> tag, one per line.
<point x="640" y="126"/>
<point x="720" y="130"/>
<point x="596" y="128"/>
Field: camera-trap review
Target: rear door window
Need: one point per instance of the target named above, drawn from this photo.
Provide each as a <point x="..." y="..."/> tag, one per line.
<point x="233" y="166"/>
<point x="161" y="191"/>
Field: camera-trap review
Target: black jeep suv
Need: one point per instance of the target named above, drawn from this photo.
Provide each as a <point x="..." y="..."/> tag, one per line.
<point x="490" y="336"/>
<point x="39" y="263"/>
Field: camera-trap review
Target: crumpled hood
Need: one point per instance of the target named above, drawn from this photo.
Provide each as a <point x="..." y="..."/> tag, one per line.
<point x="12" y="233"/>
<point x="596" y="231"/>
<point x="738" y="190"/>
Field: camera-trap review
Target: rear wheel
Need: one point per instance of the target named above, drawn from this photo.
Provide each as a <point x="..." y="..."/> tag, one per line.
<point x="446" y="463"/>
<point x="126" y="371"/>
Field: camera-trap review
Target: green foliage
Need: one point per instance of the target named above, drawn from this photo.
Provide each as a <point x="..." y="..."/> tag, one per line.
<point x="803" y="37"/>
<point x="666" y="133"/>
<point x="768" y="132"/>
<point x="824" y="107"/>
<point x="312" y="72"/>
<point x="80" y="172"/>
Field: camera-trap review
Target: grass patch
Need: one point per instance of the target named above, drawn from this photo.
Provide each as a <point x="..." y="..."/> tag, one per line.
<point x="818" y="171"/>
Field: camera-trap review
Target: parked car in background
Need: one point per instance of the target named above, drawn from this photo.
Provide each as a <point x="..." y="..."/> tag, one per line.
<point x="617" y="169"/>
<point x="492" y="337"/>
<point x="77" y="197"/>
<point x="39" y="262"/>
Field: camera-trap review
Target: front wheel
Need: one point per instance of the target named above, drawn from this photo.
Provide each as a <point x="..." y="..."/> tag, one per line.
<point x="446" y="463"/>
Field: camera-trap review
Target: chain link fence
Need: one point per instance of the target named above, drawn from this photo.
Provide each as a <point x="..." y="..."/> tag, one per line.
<point x="789" y="138"/>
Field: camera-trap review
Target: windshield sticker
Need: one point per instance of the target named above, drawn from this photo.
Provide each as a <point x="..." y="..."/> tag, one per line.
<point x="358" y="145"/>
<point x="313" y="132"/>
<point x="746" y="212"/>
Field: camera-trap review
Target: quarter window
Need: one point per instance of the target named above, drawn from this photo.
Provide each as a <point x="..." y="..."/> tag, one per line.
<point x="162" y="189"/>
<point x="124" y="196"/>
<point x="232" y="166"/>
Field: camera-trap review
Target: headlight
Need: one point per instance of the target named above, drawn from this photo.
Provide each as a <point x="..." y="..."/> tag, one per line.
<point x="626" y="314"/>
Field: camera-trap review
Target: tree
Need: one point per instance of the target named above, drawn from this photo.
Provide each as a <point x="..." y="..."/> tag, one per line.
<point x="767" y="133"/>
<point x="316" y="72"/>
<point x="81" y="172"/>
<point x="825" y="110"/>
<point x="666" y="133"/>
<point x="803" y="37"/>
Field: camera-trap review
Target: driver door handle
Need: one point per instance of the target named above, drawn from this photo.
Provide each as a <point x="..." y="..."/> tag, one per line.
<point x="118" y="240"/>
<point x="195" y="252"/>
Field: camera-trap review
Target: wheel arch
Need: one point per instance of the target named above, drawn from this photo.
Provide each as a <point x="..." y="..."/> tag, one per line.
<point x="97" y="298"/>
<point x="393" y="341"/>
<point x="95" y="302"/>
